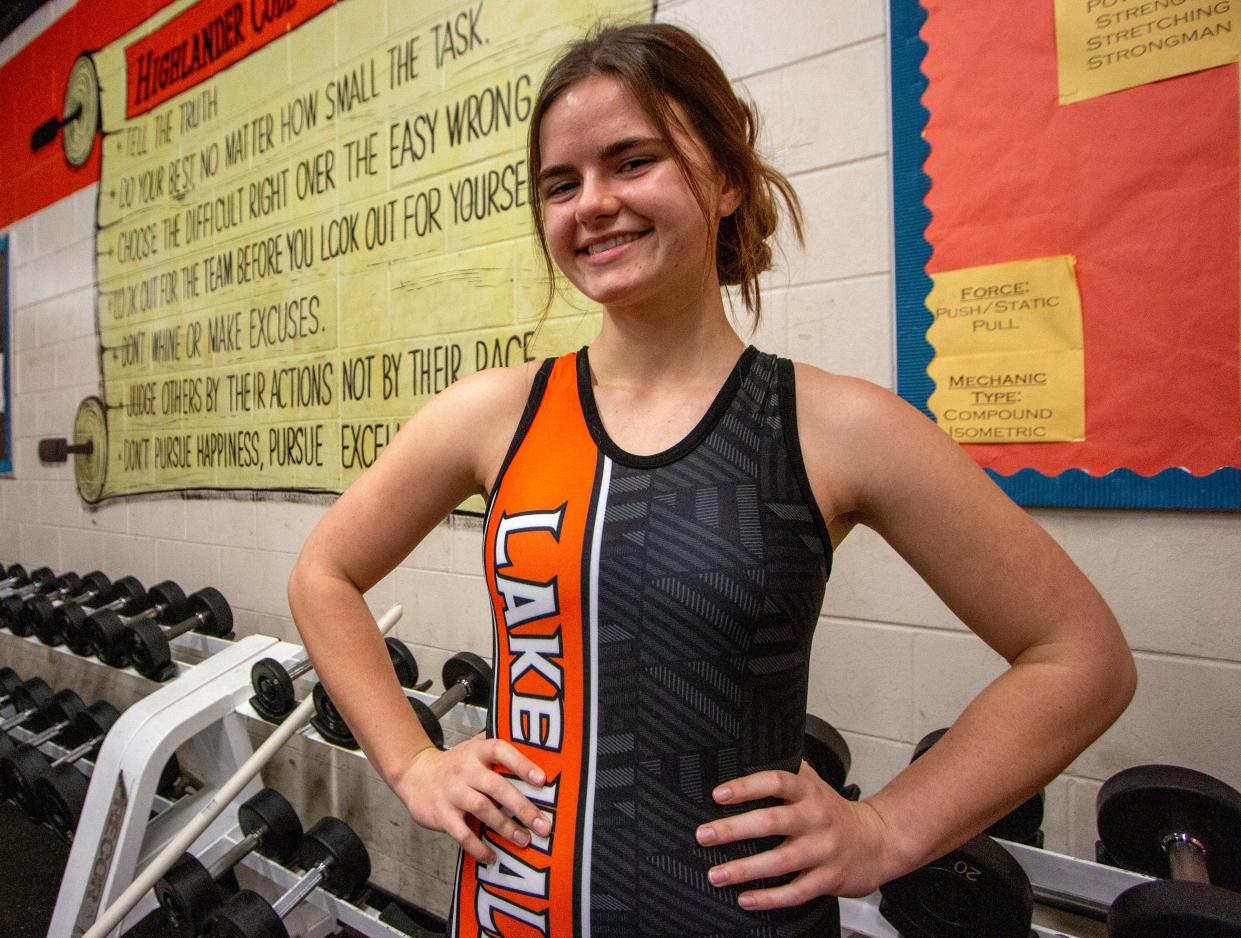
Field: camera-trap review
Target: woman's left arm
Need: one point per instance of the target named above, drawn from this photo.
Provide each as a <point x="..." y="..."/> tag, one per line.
<point x="872" y="459"/>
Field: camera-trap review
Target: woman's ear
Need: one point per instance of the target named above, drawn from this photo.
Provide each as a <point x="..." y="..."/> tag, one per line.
<point x="730" y="198"/>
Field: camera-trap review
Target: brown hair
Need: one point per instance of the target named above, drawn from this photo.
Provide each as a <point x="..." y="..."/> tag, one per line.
<point x="658" y="64"/>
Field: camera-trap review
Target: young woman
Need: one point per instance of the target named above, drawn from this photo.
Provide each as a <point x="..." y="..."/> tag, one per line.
<point x="662" y="511"/>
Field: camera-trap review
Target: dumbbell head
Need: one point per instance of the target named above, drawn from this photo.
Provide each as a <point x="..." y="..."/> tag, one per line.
<point x="273" y="689"/>
<point x="333" y="841"/>
<point x="62" y="792"/>
<point x="39" y="614"/>
<point x="828" y="753"/>
<point x="106" y="631"/>
<point x="13" y="608"/>
<point x="189" y="894"/>
<point x="469" y="669"/>
<point x="430" y="722"/>
<point x="246" y="915"/>
<point x="9" y="681"/>
<point x="1175" y="910"/>
<point x="33" y="694"/>
<point x="975" y="891"/>
<point x="1140" y="807"/>
<point x="1021" y="825"/>
<point x="403" y="662"/>
<point x="328" y="721"/>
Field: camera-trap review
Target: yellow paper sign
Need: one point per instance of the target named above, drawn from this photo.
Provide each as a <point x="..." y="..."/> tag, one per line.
<point x="1109" y="45"/>
<point x="297" y="253"/>
<point x="1008" y="364"/>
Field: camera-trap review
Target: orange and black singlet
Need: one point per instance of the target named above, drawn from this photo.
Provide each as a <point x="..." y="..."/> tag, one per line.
<point x="653" y="619"/>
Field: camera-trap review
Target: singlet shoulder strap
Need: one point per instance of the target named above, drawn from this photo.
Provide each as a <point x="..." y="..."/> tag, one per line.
<point x="787" y="393"/>
<point x="538" y="389"/>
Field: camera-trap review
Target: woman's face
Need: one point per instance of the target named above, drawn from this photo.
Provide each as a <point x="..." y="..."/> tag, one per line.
<point x="621" y="220"/>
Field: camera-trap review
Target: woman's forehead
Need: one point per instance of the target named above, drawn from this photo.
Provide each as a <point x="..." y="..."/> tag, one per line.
<point x="595" y="111"/>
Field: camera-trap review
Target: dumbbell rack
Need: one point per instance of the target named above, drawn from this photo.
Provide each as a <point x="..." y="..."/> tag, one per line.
<point x="201" y="715"/>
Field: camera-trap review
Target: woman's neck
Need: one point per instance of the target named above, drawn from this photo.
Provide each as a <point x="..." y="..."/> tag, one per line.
<point x="645" y="349"/>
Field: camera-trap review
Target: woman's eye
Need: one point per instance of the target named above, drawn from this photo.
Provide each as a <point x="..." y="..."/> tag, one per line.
<point x="558" y="189"/>
<point x="634" y="163"/>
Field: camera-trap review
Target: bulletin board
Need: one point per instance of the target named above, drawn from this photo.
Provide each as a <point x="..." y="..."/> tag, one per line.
<point x="1067" y="221"/>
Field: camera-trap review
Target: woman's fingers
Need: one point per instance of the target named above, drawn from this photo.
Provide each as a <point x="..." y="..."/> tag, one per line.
<point x="763" y="822"/>
<point x="505" y="794"/>
<point x="459" y="831"/>
<point x="507" y="755"/>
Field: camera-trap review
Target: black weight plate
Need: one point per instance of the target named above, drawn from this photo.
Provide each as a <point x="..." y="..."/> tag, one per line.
<point x="975" y="891"/>
<point x="9" y="681"/>
<point x="129" y="589"/>
<point x="826" y="751"/>
<point x="219" y="616"/>
<point x="16" y="575"/>
<point x="331" y="839"/>
<point x="403" y="662"/>
<point x="34" y="694"/>
<point x="271" y="811"/>
<point x="148" y="651"/>
<point x="1175" y="910"/>
<point x="170" y="778"/>
<point x="106" y="630"/>
<point x="67" y="584"/>
<point x="247" y="915"/>
<point x="467" y="667"/>
<point x="169" y="599"/>
<point x="63" y="793"/>
<point x="273" y="688"/>
<point x="95" y="585"/>
<point x="328" y="721"/>
<point x="42" y="577"/>
<point x="71" y="623"/>
<point x="64" y="708"/>
<point x="10" y="608"/>
<point x="92" y="723"/>
<point x="188" y="895"/>
<point x="1138" y="807"/>
<point x="430" y="722"/>
<point x="19" y="771"/>
<point x="38" y="617"/>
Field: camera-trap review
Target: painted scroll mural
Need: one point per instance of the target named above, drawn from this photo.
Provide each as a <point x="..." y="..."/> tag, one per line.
<point x="312" y="217"/>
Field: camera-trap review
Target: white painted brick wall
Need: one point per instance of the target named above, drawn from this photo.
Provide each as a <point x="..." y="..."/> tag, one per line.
<point x="890" y="662"/>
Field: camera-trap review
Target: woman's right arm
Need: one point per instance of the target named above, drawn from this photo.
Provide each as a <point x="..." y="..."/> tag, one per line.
<point x="449" y="450"/>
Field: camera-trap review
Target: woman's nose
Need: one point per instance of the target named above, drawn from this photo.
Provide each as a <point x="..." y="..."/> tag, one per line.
<point x="596" y="200"/>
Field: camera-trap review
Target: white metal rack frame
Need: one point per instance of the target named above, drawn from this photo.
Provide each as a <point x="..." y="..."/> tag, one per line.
<point x="200" y="715"/>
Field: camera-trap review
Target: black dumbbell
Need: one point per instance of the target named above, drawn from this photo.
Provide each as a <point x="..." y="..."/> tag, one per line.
<point x="22" y="765"/>
<point x="11" y="606"/>
<point x="975" y="891"/>
<point x="29" y="701"/>
<point x="467" y="679"/>
<point x="17" y="578"/>
<point x="9" y="682"/>
<point x="164" y="603"/>
<point x="334" y="858"/>
<point x="62" y="787"/>
<point x="273" y="698"/>
<point x="38" y="616"/>
<point x="149" y="649"/>
<point x="72" y="620"/>
<point x="189" y="892"/>
<point x="828" y="754"/>
<point x="1170" y="821"/>
<point x="1022" y="825"/>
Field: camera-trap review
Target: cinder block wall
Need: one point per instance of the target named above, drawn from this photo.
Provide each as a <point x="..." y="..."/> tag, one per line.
<point x="890" y="661"/>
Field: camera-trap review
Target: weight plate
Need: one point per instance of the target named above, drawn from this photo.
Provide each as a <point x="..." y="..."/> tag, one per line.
<point x="90" y="425"/>
<point x="19" y="771"/>
<point x="169" y="600"/>
<point x="272" y="812"/>
<point x="273" y="688"/>
<point x="148" y="650"/>
<point x="71" y="622"/>
<point x="9" y="681"/>
<point x="62" y="792"/>
<point x="975" y="891"/>
<point x="331" y="839"/>
<point x="328" y="721"/>
<point x="246" y="915"/>
<point x="92" y="723"/>
<point x="430" y="722"/>
<point x="403" y="662"/>
<point x="215" y="609"/>
<point x="169" y="784"/>
<point x="82" y="97"/>
<point x="826" y="751"/>
<point x="129" y="589"/>
<point x="1138" y="807"/>
<point x="467" y="667"/>
<point x="188" y="895"/>
<point x="1175" y="910"/>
